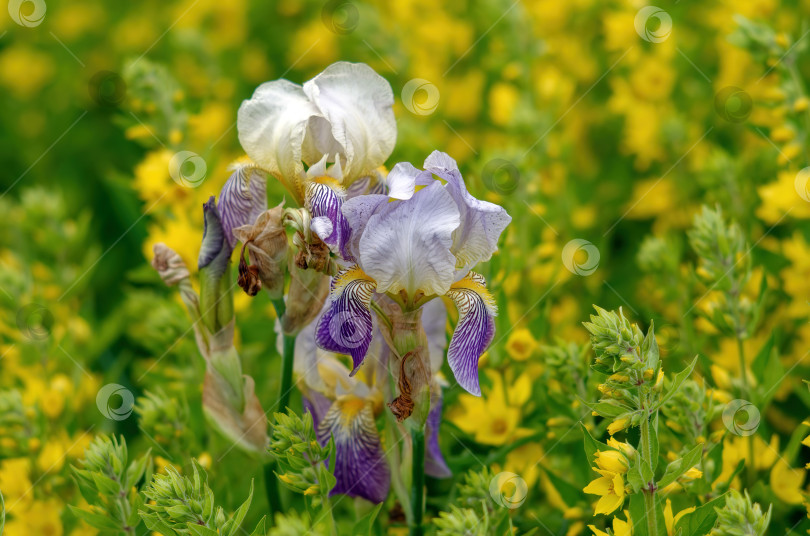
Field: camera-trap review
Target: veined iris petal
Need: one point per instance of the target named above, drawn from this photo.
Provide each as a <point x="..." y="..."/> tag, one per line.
<point x="346" y="326"/>
<point x="360" y="466"/>
<point x="242" y="200"/>
<point x="474" y="331"/>
<point x="324" y="199"/>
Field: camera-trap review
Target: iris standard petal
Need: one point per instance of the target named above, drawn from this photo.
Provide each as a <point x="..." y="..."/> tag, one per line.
<point x="272" y="125"/>
<point x="324" y="200"/>
<point x="401" y="181"/>
<point x="242" y="200"/>
<point x="360" y="466"/>
<point x="357" y="211"/>
<point x="214" y="254"/>
<point x="434" y="321"/>
<point x="482" y="223"/>
<point x="474" y="331"/>
<point x="346" y="326"/>
<point x="406" y="244"/>
<point x="358" y="105"/>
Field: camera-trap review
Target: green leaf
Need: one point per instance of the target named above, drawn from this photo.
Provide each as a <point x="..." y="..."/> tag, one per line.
<point x="106" y="485"/>
<point x="260" y="529"/>
<point x="678" y="467"/>
<point x="99" y="521"/>
<point x="769" y="372"/>
<point x="200" y="530"/>
<point x="649" y="349"/>
<point x="570" y="493"/>
<point x="702" y="520"/>
<point x="608" y="410"/>
<point x="634" y="476"/>
<point x="676" y="383"/>
<point x="240" y="514"/>
<point x="592" y="445"/>
<point x="365" y="524"/>
<point x="153" y="523"/>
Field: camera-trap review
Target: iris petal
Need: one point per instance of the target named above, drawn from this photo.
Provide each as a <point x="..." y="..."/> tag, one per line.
<point x="242" y="200"/>
<point x="360" y="466"/>
<point x="474" y="331"/>
<point x="406" y="244"/>
<point x="346" y="326"/>
<point x="357" y="104"/>
<point x="435" y="465"/>
<point x="482" y="223"/>
<point x="324" y="202"/>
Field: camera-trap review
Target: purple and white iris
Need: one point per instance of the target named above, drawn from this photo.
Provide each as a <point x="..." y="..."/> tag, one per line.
<point x="346" y="408"/>
<point x="343" y="117"/>
<point x="419" y="242"/>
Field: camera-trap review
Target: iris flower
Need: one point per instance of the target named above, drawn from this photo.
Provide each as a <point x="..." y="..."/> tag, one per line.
<point x="343" y="117"/>
<point x="418" y="242"/>
<point x="346" y="408"/>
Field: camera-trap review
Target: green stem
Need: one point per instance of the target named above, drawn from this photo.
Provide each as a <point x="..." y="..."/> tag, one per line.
<point x="650" y="511"/>
<point x="418" y="484"/>
<point x="271" y="490"/>
<point x="749" y="460"/>
<point x="287" y="359"/>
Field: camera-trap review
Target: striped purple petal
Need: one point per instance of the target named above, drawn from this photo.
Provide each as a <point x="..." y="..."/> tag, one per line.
<point x="435" y="465"/>
<point x="213" y="241"/>
<point x="324" y="201"/>
<point x="474" y="331"/>
<point x="360" y="466"/>
<point x="241" y="200"/>
<point x="346" y="326"/>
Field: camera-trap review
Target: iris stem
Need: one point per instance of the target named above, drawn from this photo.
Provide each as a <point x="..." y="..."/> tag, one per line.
<point x="418" y="484"/>
<point x="650" y="511"/>
<point x="285" y="390"/>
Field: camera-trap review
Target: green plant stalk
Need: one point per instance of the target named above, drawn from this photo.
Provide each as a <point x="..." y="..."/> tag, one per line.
<point x="285" y="390"/>
<point x="749" y="460"/>
<point x="418" y="483"/>
<point x="650" y="512"/>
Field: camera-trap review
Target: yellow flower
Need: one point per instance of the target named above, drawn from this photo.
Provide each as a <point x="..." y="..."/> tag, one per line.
<point x="15" y="482"/>
<point x="620" y="527"/>
<point x="610" y="486"/>
<point x="493" y="418"/>
<point x="51" y="458"/>
<point x="521" y="344"/>
<point x="786" y="482"/>
<point x="670" y="521"/>
<point x="503" y="98"/>
<point x="611" y="460"/>
<point x="618" y="425"/>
